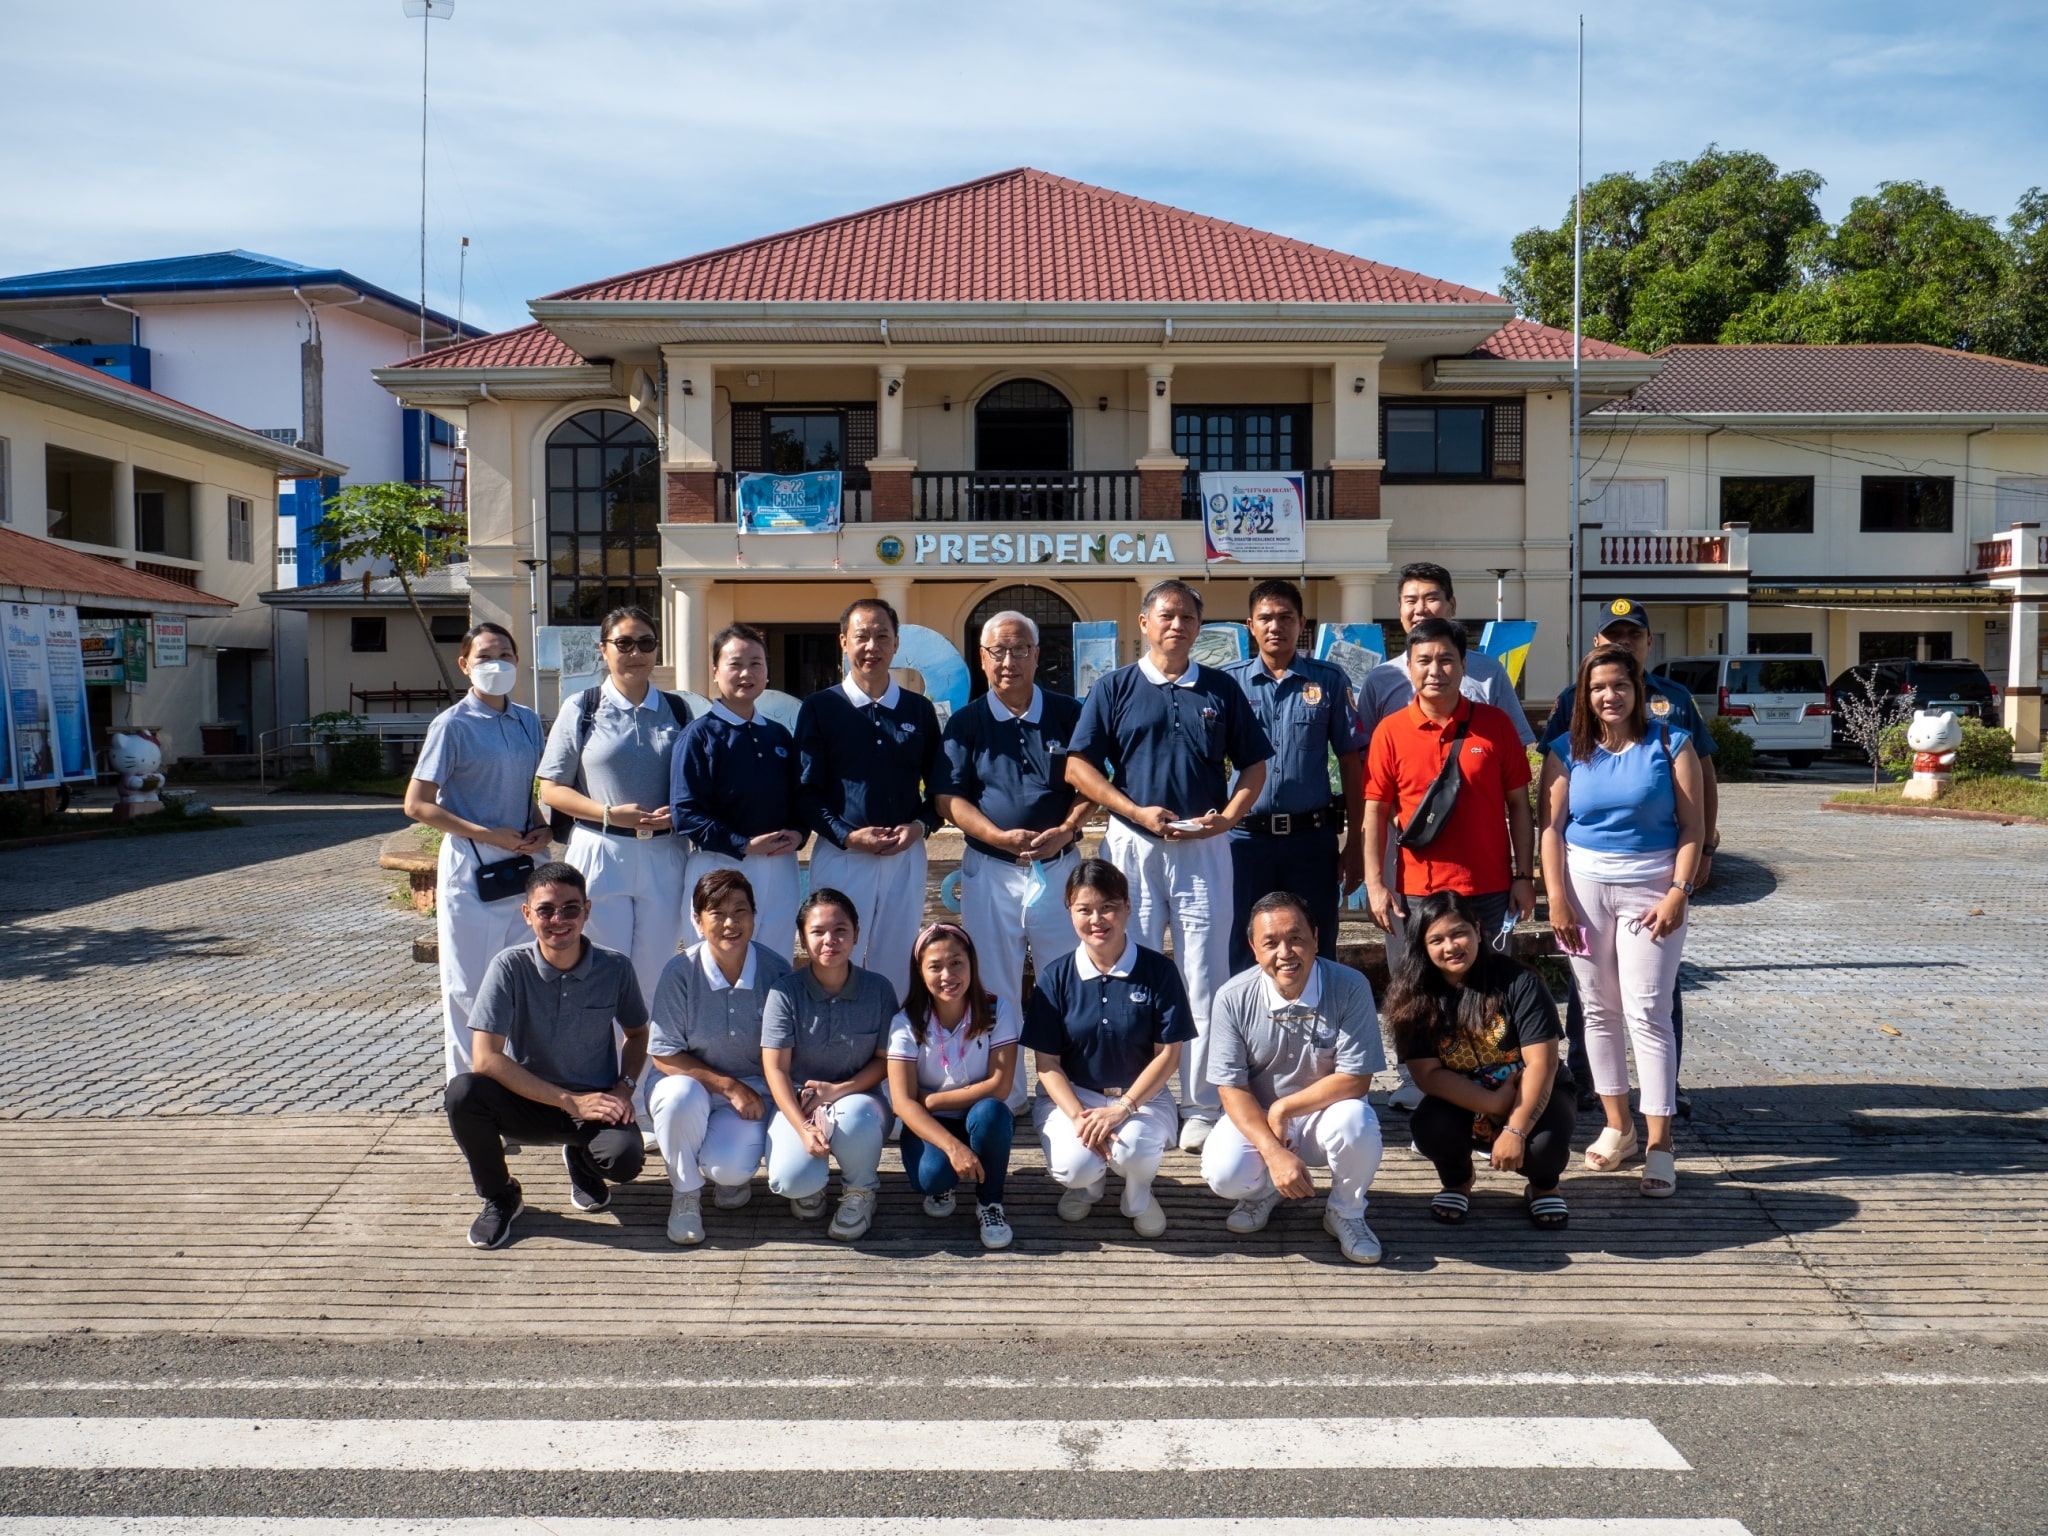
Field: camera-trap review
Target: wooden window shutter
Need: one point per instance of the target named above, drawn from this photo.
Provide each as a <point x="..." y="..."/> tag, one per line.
<point x="746" y="439"/>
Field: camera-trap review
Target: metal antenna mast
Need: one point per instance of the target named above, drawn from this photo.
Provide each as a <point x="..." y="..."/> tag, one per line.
<point x="1578" y="276"/>
<point x="426" y="10"/>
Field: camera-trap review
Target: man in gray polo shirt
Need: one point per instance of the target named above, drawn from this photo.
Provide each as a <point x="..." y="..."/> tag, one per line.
<point x="547" y="1069"/>
<point x="1293" y="1047"/>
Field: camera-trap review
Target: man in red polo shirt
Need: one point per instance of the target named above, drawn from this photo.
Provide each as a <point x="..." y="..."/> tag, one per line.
<point x="1483" y="851"/>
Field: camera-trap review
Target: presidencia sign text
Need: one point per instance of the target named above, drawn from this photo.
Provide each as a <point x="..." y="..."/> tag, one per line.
<point x="1030" y="549"/>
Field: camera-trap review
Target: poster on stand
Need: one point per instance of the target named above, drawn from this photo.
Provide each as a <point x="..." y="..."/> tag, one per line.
<point x="65" y="663"/>
<point x="28" y="696"/>
<point x="1255" y="519"/>
<point x="1353" y="649"/>
<point x="1507" y="641"/>
<point x="1218" y="645"/>
<point x="1094" y="653"/>
<point x="573" y="653"/>
<point x="806" y="503"/>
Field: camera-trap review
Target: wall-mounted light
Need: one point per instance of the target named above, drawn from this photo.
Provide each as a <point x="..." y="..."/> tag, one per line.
<point x="1102" y="402"/>
<point x="945" y="402"/>
<point x="753" y="381"/>
<point x="1159" y="387"/>
<point x="1358" y="385"/>
<point x="689" y="385"/>
<point x="894" y="385"/>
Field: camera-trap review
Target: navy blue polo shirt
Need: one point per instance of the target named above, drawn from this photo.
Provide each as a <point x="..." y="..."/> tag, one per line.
<point x="1103" y="1027"/>
<point x="1307" y="714"/>
<point x="1012" y="768"/>
<point x="1170" y="743"/>
<point x="863" y="763"/>
<point x="732" y="780"/>
<point x="1680" y="713"/>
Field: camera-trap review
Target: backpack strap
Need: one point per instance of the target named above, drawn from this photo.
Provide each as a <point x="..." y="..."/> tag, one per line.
<point x="679" y="707"/>
<point x="586" y="715"/>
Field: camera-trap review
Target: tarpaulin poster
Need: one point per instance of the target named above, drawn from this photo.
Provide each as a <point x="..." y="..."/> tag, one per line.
<point x="65" y="664"/>
<point x="1507" y="641"/>
<point x="806" y="503"/>
<point x="1255" y="518"/>
<point x="1352" y="649"/>
<point x="1094" y="653"/>
<point x="28" y="695"/>
<point x="1219" y="644"/>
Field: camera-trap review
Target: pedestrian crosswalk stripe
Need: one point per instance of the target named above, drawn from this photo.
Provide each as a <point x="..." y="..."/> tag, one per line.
<point x="891" y="1525"/>
<point x="831" y="1445"/>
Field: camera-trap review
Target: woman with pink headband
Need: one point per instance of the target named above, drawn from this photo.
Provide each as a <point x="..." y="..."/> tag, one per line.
<point x="952" y="1055"/>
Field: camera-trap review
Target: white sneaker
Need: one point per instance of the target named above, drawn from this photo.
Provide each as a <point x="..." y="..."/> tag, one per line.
<point x="651" y="1145"/>
<point x="1253" y="1212"/>
<point x="1193" y="1133"/>
<point x="808" y="1207"/>
<point x="995" y="1229"/>
<point x="1353" y="1236"/>
<point x="1151" y="1221"/>
<point x="686" y="1218"/>
<point x="1407" y="1097"/>
<point x="730" y="1197"/>
<point x="939" y="1207"/>
<point x="855" y="1215"/>
<point x="1075" y="1204"/>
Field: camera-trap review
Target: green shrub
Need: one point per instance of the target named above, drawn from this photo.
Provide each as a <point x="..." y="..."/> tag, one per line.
<point x="21" y="815"/>
<point x="1734" y="752"/>
<point x="1986" y="752"/>
<point x="357" y="758"/>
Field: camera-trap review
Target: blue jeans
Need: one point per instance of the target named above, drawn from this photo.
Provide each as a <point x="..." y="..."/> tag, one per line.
<point x="988" y="1128"/>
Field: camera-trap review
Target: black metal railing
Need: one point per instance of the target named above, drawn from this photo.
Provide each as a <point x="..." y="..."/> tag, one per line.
<point x="856" y="505"/>
<point x="1042" y="496"/>
<point x="1317" y="486"/>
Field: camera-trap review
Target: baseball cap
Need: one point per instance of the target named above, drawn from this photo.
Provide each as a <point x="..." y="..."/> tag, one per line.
<point x="1622" y="611"/>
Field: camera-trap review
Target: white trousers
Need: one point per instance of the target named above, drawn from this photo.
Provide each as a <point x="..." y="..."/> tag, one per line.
<point x="1344" y="1138"/>
<point x="859" y="1122"/>
<point x="636" y="897"/>
<point x="471" y="933"/>
<point x="1184" y="886"/>
<point x="1626" y="986"/>
<point x="702" y="1136"/>
<point x="993" y="893"/>
<point x="775" y="882"/>
<point x="888" y="892"/>
<point x="1134" y="1151"/>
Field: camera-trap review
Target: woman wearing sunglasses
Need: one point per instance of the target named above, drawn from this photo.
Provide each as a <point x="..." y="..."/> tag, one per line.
<point x="606" y="771"/>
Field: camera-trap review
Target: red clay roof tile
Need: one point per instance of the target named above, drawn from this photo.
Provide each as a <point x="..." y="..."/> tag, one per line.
<point x="35" y="563"/>
<point x="1524" y="341"/>
<point x="1868" y="379"/>
<point x="530" y="346"/>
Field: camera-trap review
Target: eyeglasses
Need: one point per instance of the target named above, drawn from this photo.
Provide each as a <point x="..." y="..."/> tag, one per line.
<point x="1007" y="652"/>
<point x="646" y="645"/>
<point x="568" y="911"/>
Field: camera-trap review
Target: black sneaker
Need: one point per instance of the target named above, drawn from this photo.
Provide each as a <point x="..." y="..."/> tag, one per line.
<point x="587" y="1187"/>
<point x="1684" y="1104"/>
<point x="493" y="1225"/>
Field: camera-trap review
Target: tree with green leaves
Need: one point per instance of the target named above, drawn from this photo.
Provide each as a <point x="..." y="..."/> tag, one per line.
<point x="403" y="524"/>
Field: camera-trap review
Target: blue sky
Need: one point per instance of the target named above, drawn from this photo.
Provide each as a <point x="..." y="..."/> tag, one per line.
<point x="574" y="140"/>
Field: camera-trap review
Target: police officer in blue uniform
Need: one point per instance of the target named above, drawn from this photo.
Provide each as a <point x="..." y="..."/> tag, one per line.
<point x="1289" y="842"/>
<point x="1623" y="623"/>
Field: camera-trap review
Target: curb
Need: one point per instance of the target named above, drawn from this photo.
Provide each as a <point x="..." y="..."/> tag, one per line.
<point x="1935" y="812"/>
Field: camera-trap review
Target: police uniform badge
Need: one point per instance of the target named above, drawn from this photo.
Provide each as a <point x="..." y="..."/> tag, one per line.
<point x="1659" y="705"/>
<point x="1312" y="694"/>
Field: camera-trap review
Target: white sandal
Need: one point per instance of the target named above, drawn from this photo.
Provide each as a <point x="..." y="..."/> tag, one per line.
<point x="1611" y="1149"/>
<point x="1660" y="1175"/>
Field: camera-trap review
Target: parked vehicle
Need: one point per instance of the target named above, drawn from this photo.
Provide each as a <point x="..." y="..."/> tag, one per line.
<point x="1779" y="702"/>
<point x="1958" y="686"/>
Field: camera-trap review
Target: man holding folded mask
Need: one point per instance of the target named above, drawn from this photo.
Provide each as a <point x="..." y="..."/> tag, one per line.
<point x="1452" y="774"/>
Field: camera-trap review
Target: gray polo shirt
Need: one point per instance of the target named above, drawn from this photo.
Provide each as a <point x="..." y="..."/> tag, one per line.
<point x="558" y="1024"/>
<point x="625" y="759"/>
<point x="830" y="1038"/>
<point x="483" y="761"/>
<point x="696" y="1010"/>
<point x="1261" y="1042"/>
<point x="1388" y="690"/>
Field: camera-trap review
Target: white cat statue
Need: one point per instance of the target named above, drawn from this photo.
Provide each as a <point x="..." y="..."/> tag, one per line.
<point x="1934" y="739"/>
<point x="139" y="760"/>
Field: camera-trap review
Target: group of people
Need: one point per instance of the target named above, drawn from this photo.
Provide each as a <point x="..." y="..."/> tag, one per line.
<point x="1244" y="803"/>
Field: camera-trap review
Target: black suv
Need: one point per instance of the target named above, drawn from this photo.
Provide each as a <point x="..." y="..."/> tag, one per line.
<point x="1959" y="686"/>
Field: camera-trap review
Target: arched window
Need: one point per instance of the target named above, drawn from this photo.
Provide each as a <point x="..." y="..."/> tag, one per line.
<point x="604" y="517"/>
<point x="1055" y="621"/>
<point x="1023" y="425"/>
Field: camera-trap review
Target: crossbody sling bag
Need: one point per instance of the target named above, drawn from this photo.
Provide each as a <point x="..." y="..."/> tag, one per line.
<point x="505" y="877"/>
<point x="1441" y="798"/>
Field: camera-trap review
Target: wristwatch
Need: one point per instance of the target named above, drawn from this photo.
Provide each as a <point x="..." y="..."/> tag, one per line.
<point x="632" y="1084"/>
<point x="1682" y="885"/>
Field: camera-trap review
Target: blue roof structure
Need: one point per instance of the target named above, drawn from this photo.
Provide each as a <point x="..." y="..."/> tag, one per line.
<point x="214" y="270"/>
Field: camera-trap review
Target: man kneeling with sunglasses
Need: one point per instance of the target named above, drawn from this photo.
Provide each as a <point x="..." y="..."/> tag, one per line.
<point x="547" y="1068"/>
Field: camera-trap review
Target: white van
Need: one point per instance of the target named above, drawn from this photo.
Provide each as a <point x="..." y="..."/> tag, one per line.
<point x="1781" y="703"/>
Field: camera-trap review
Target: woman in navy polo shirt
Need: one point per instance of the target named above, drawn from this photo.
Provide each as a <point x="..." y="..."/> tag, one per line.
<point x="1107" y="1023"/>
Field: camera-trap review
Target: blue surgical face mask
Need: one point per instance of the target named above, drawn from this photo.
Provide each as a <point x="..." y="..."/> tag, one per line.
<point x="496" y="678"/>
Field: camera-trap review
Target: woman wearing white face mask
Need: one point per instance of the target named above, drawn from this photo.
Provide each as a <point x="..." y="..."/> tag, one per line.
<point x="474" y="783"/>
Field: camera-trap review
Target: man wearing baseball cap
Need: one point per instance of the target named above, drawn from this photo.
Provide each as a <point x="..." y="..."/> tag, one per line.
<point x="1625" y="624"/>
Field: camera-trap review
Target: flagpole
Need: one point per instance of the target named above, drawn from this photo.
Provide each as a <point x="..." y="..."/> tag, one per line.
<point x="1578" y="275"/>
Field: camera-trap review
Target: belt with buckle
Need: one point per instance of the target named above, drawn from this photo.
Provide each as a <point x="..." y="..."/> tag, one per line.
<point x="644" y="834"/>
<point x="1021" y="860"/>
<point x="1287" y="823"/>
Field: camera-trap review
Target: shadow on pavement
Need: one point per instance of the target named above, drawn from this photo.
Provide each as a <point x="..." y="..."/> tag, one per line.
<point x="48" y="953"/>
<point x="1737" y="881"/>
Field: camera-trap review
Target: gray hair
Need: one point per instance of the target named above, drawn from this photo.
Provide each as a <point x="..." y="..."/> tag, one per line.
<point x="1009" y="616"/>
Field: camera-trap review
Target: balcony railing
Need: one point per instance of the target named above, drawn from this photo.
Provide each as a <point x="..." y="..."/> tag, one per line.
<point x="1046" y="496"/>
<point x="1634" y="549"/>
<point x="2009" y="551"/>
<point x="183" y="575"/>
<point x="1318" y="488"/>
<point x="855" y="503"/>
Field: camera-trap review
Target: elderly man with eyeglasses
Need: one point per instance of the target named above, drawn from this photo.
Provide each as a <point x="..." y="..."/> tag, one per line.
<point x="547" y="1066"/>
<point x="1002" y="781"/>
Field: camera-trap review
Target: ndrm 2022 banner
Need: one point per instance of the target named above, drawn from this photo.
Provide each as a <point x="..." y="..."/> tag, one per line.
<point x="49" y="742"/>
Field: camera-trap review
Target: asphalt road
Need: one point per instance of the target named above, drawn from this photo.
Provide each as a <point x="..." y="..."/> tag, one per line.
<point x="1851" y="1440"/>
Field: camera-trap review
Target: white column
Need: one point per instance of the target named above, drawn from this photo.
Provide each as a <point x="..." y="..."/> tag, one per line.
<point x="1737" y="639"/>
<point x="123" y="537"/>
<point x="690" y="439"/>
<point x="1159" y="418"/>
<point x="895" y="591"/>
<point x="689" y="633"/>
<point x="1355" y="412"/>
<point x="889" y="413"/>
<point x="1355" y="599"/>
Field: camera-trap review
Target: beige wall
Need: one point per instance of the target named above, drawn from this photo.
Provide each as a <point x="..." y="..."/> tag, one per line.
<point x="332" y="668"/>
